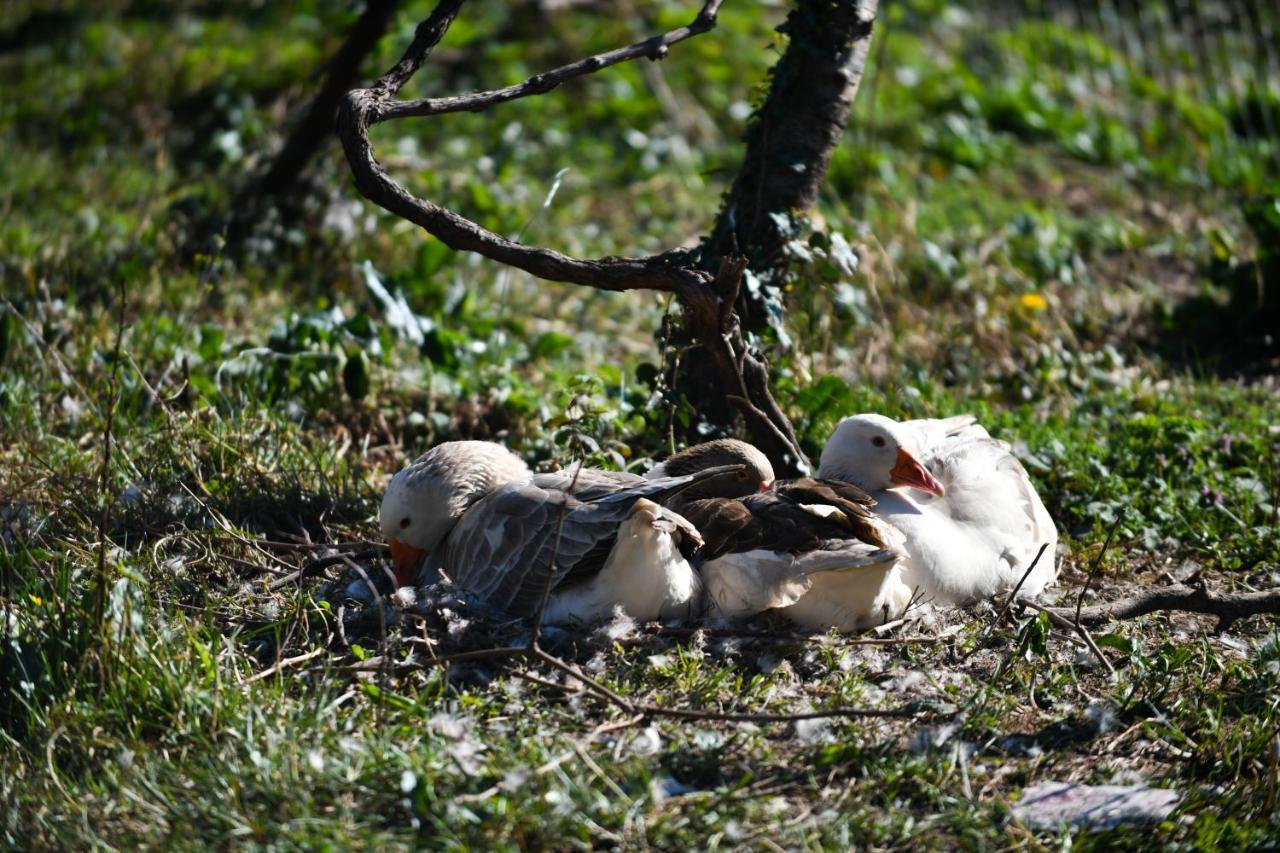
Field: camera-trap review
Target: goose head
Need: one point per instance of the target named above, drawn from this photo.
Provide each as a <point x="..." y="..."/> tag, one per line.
<point x="754" y="474"/>
<point x="425" y="499"/>
<point x="875" y="453"/>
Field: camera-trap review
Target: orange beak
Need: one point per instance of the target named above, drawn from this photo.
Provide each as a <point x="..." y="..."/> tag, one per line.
<point x="406" y="560"/>
<point x="909" y="472"/>
<point x="764" y="487"/>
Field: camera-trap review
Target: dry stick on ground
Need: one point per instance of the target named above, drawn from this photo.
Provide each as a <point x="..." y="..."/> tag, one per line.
<point x="642" y="709"/>
<point x="707" y="299"/>
<point x="317" y="566"/>
<point x="1068" y="624"/>
<point x="281" y="665"/>
<point x="1228" y="607"/>
<point x="378" y="602"/>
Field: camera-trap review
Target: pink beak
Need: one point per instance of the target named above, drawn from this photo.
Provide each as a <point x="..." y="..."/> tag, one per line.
<point x="406" y="560"/>
<point x="909" y="472"/>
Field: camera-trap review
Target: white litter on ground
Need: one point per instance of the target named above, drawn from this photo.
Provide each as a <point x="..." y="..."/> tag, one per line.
<point x="1050" y="805"/>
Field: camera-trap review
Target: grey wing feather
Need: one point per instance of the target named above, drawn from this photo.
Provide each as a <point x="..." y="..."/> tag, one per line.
<point x="588" y="484"/>
<point x="503" y="547"/>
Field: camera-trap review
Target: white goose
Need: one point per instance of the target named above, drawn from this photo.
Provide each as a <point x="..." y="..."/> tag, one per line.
<point x="970" y="517"/>
<point x="475" y="511"/>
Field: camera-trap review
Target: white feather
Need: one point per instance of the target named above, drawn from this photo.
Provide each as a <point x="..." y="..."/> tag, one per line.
<point x="849" y="589"/>
<point x="645" y="575"/>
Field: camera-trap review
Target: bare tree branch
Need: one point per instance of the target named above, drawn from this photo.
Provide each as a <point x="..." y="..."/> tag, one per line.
<point x="607" y="696"/>
<point x="363" y="107"/>
<point x="653" y="49"/>
<point x="342" y="72"/>
<point x="1183" y="599"/>
<point x="707" y="300"/>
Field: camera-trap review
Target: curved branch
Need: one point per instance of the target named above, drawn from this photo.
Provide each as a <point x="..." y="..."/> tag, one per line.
<point x="1184" y="599"/>
<point x="654" y="48"/>
<point x="363" y="107"/>
<point x="710" y="300"/>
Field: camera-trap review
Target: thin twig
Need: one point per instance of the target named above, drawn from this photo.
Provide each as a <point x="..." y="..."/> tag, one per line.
<point x="355" y="544"/>
<point x="283" y="664"/>
<point x="318" y="565"/>
<point x="752" y="717"/>
<point x="104" y="480"/>
<point x="577" y="673"/>
<point x="1008" y="602"/>
<point x="1097" y="562"/>
<point x="246" y="564"/>
<point x="653" y="48"/>
<point x="379" y="604"/>
<point x="542" y="682"/>
<point x="1064" y="622"/>
<point x="636" y="709"/>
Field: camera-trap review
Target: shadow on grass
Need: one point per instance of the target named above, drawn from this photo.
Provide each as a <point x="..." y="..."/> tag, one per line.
<point x="1233" y="329"/>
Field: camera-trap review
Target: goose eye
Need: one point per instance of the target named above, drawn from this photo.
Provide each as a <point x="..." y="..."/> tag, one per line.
<point x="404" y="522"/>
<point x="744" y="476"/>
<point x="878" y="441"/>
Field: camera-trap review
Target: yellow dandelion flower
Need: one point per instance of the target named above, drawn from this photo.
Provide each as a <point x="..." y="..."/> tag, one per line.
<point x="1033" y="302"/>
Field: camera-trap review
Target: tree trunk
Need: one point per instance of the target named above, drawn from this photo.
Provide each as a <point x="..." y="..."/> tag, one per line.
<point x="317" y="125"/>
<point x="790" y="143"/>
<point x="789" y="146"/>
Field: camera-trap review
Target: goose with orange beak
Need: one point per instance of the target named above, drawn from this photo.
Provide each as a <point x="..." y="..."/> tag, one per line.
<point x="970" y="517"/>
<point x="589" y="541"/>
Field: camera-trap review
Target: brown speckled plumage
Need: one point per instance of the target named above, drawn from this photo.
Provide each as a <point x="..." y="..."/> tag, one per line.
<point x="734" y="515"/>
<point x="779" y="520"/>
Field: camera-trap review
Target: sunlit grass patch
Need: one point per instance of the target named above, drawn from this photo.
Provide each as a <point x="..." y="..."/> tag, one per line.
<point x="993" y="238"/>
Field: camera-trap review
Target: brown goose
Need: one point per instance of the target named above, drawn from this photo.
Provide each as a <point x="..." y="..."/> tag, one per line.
<point x="811" y="548"/>
<point x="473" y="510"/>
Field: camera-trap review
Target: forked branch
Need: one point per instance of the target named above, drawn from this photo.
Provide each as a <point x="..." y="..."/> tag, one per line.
<point x="708" y="299"/>
<point x="363" y="108"/>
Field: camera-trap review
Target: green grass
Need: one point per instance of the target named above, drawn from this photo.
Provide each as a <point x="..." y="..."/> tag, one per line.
<point x="1076" y="269"/>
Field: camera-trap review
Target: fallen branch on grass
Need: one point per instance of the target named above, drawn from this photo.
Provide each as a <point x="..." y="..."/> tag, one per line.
<point x="283" y="665"/>
<point x="1227" y="607"/>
